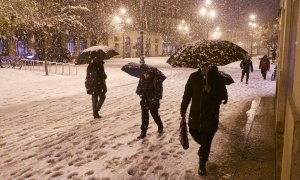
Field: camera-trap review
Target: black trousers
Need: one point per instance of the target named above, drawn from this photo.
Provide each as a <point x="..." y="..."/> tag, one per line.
<point x="247" y="75"/>
<point x="264" y="73"/>
<point x="205" y="140"/>
<point x="145" y="117"/>
<point x="97" y="102"/>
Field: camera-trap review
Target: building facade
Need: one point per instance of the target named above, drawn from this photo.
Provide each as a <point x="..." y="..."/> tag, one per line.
<point x="288" y="92"/>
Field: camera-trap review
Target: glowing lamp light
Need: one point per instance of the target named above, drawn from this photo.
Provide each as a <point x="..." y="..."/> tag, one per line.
<point x="212" y="13"/>
<point x="123" y="11"/>
<point x="202" y="11"/>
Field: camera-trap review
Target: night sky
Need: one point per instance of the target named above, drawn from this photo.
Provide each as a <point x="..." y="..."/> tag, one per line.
<point x="235" y="13"/>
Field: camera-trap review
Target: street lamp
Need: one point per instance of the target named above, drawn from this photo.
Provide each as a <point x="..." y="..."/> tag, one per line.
<point x="252" y="25"/>
<point x="142" y="56"/>
<point x="209" y="13"/>
<point x="123" y="20"/>
<point x="217" y="33"/>
<point x="252" y="17"/>
<point x="183" y="28"/>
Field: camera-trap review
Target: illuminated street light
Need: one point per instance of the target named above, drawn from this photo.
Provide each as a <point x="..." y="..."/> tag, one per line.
<point x="252" y="17"/>
<point x="209" y="13"/>
<point x="203" y="11"/>
<point x="217" y="33"/>
<point x="252" y="25"/>
<point x="123" y="11"/>
<point x="183" y="27"/>
<point x="212" y="13"/>
<point x="208" y="2"/>
<point x="123" y="20"/>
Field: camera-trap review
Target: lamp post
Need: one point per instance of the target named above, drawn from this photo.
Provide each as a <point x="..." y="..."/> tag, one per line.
<point x="183" y="27"/>
<point x="142" y="56"/>
<point x="217" y="33"/>
<point x="252" y="25"/>
<point x="124" y="20"/>
<point x="209" y="13"/>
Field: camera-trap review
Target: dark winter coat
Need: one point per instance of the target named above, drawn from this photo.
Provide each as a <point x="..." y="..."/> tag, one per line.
<point x="95" y="79"/>
<point x="204" y="111"/>
<point x="246" y="65"/>
<point x="264" y="64"/>
<point x="150" y="90"/>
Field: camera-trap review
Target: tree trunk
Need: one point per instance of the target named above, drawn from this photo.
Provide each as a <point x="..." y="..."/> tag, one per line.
<point x="47" y="46"/>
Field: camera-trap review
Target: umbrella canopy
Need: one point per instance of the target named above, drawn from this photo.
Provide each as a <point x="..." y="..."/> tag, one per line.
<point x="136" y="70"/>
<point x="228" y="79"/>
<point x="216" y="52"/>
<point x="95" y="54"/>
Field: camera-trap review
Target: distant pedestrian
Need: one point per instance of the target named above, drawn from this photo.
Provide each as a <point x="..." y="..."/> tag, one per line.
<point x="206" y="90"/>
<point x="274" y="55"/>
<point x="1" y="63"/>
<point x="150" y="90"/>
<point x="96" y="86"/>
<point x="246" y="66"/>
<point x="264" y="66"/>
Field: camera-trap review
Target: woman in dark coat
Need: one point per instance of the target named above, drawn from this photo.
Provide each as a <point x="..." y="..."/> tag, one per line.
<point x="150" y="91"/>
<point x="264" y="65"/>
<point x="206" y="88"/>
<point x="96" y="86"/>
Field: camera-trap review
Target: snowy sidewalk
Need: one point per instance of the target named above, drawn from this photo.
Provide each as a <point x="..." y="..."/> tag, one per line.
<point x="257" y="156"/>
<point x="48" y="132"/>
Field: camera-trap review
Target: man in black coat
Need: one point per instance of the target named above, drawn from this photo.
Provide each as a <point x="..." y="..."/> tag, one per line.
<point x="246" y="66"/>
<point x="96" y="86"/>
<point x="150" y="91"/>
<point x="206" y="88"/>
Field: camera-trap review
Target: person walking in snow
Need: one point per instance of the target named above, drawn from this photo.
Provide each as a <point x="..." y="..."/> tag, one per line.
<point x="264" y="66"/>
<point x="246" y="66"/>
<point x="150" y="91"/>
<point x="96" y="86"/>
<point x="206" y="89"/>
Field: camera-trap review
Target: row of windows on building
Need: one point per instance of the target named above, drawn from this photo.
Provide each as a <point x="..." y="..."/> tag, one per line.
<point x="168" y="48"/>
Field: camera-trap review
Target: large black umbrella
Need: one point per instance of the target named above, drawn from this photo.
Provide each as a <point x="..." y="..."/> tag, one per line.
<point x="95" y="54"/>
<point x="136" y="70"/>
<point x="215" y="52"/>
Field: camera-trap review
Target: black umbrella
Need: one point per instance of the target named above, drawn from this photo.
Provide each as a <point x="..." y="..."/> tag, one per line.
<point x="95" y="54"/>
<point x="215" y="52"/>
<point x="228" y="79"/>
<point x="136" y="70"/>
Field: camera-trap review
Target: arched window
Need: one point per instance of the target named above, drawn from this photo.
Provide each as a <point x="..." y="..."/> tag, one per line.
<point x="71" y="45"/>
<point x="21" y="42"/>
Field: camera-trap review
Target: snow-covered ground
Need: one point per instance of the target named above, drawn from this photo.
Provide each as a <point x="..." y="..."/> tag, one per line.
<point x="48" y="131"/>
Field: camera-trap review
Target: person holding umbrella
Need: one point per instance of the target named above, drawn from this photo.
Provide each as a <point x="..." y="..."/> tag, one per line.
<point x="96" y="86"/>
<point x="150" y="91"/>
<point x="206" y="89"/>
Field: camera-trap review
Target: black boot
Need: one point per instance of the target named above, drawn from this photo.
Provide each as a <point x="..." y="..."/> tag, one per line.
<point x="142" y="135"/>
<point x="96" y="115"/>
<point x="202" y="168"/>
<point x="160" y="129"/>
